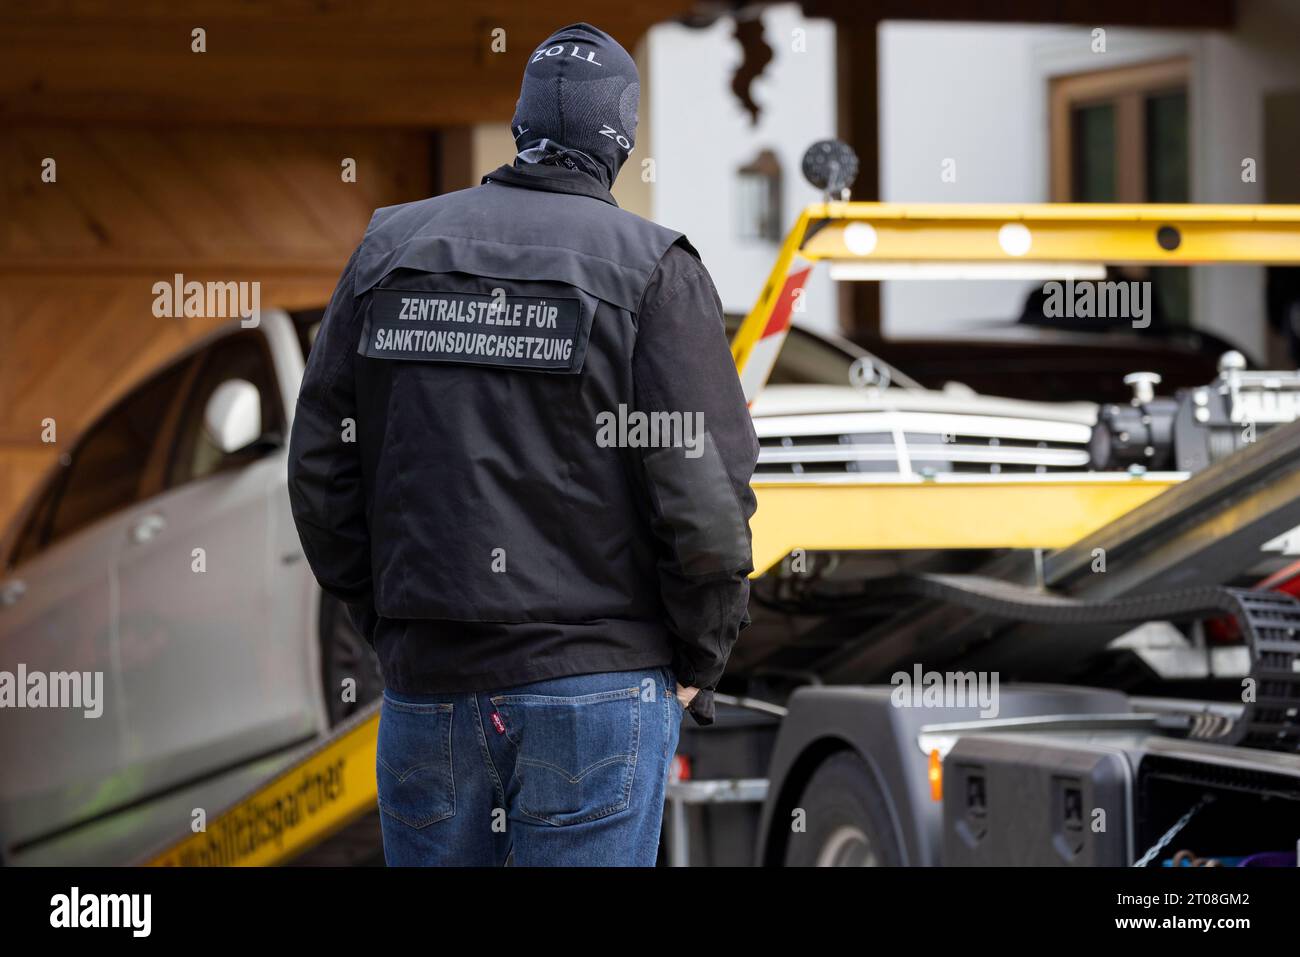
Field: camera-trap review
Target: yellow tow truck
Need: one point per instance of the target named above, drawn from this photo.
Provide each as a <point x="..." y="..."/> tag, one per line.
<point x="887" y="705"/>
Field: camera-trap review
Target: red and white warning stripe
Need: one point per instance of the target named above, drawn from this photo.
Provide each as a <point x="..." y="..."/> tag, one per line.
<point x="762" y="356"/>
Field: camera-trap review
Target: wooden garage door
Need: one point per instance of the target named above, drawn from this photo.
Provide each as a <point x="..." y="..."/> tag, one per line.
<point x="132" y="206"/>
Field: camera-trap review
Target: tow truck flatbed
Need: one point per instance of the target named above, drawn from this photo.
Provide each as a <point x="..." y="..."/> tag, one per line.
<point x="1029" y="521"/>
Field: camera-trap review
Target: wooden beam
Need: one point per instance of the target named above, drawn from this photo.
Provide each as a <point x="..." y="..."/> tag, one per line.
<point x="858" y="106"/>
<point x="395" y="63"/>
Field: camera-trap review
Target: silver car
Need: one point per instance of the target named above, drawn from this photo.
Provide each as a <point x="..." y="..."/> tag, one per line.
<point x="159" y="562"/>
<point x="832" y="411"/>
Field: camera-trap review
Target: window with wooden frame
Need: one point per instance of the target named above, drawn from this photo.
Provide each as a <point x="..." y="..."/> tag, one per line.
<point x="1121" y="136"/>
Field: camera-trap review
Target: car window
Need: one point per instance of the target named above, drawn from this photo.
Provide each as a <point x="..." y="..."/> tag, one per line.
<point x="244" y="356"/>
<point x="32" y="536"/>
<point x="106" y="469"/>
<point x="808" y="359"/>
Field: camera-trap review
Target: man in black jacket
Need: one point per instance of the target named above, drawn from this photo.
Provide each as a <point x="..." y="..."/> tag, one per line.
<point x="521" y="456"/>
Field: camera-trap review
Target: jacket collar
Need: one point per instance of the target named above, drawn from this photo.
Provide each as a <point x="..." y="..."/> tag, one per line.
<point x="554" y="179"/>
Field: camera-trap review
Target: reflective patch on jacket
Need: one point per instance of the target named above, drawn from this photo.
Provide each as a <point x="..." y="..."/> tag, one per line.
<point x="518" y="332"/>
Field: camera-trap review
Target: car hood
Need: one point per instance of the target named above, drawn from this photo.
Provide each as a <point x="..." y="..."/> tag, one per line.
<point x="785" y="400"/>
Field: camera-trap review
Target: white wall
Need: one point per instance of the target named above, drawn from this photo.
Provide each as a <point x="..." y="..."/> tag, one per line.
<point x="701" y="135"/>
<point x="962" y="92"/>
<point x="978" y="94"/>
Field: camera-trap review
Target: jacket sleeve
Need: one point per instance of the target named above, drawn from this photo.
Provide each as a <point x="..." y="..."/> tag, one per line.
<point x="699" y="492"/>
<point x="325" y="483"/>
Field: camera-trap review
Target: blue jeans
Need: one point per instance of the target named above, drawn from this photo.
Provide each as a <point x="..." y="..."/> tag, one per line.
<point x="566" y="771"/>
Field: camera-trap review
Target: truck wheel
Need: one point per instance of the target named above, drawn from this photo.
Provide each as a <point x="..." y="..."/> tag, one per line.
<point x="345" y="654"/>
<point x="845" y="817"/>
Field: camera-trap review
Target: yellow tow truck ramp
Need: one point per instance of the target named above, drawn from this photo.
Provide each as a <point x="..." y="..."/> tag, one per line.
<point x="317" y="795"/>
<point x="332" y="784"/>
<point x="873" y="241"/>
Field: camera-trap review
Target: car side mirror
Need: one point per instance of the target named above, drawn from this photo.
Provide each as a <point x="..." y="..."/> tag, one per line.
<point x="232" y="418"/>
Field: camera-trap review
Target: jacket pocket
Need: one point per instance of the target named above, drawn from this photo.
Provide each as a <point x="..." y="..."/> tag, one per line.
<point x="576" y="755"/>
<point x="413" y="762"/>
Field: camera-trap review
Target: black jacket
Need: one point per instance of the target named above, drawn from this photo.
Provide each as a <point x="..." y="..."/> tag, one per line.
<point x="496" y="460"/>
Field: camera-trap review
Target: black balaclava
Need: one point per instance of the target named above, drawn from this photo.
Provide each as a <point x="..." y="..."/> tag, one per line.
<point x="578" y="102"/>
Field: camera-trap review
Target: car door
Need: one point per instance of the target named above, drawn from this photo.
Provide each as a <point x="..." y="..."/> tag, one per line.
<point x="208" y="682"/>
<point x="60" y="766"/>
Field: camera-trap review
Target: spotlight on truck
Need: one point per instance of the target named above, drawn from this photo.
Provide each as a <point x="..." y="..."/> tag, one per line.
<point x="831" y="166"/>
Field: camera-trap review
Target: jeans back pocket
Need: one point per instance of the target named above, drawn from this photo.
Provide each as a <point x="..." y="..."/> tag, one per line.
<point x="413" y="762"/>
<point x="576" y="756"/>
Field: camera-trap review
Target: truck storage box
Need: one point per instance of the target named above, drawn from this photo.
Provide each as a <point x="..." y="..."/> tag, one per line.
<point x="1010" y="800"/>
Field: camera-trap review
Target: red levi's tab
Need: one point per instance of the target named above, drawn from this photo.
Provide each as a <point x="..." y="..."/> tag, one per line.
<point x="498" y="723"/>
